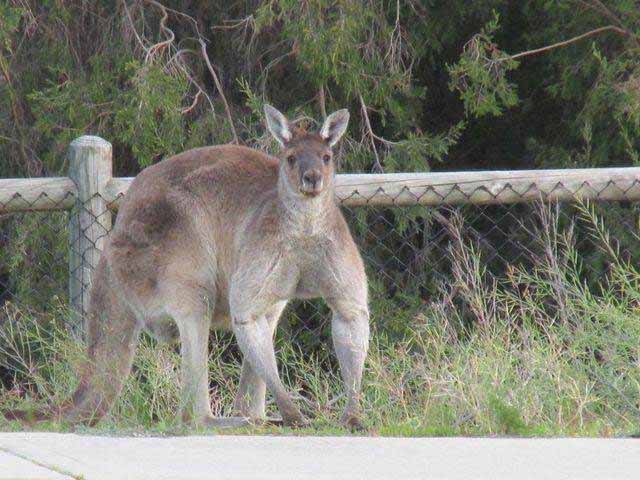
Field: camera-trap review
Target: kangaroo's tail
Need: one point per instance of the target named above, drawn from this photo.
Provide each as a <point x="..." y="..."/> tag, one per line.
<point x="112" y="336"/>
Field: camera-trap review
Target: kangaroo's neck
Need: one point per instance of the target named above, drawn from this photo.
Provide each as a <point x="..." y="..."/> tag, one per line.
<point x="303" y="217"/>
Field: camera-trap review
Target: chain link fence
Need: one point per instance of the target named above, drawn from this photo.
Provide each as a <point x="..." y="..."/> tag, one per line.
<point x="409" y="249"/>
<point x="411" y="252"/>
<point x="34" y="256"/>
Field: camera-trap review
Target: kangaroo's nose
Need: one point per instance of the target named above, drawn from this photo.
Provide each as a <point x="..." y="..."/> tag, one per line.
<point x="312" y="181"/>
<point x="311" y="177"/>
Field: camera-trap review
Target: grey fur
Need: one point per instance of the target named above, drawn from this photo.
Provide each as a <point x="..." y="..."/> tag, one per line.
<point x="224" y="237"/>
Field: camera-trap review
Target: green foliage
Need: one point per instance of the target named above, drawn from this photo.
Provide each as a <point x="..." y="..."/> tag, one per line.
<point x="590" y="85"/>
<point x="35" y="256"/>
<point x="576" y="105"/>
<point x="614" y="96"/>
<point x="409" y="154"/>
<point x="507" y="417"/>
<point x="141" y="107"/>
<point x="9" y="22"/>
<point x="343" y="42"/>
<point x="480" y="75"/>
<point x="151" y="120"/>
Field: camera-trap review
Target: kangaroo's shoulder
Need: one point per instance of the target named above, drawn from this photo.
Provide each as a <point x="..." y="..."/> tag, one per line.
<point x="201" y="170"/>
<point x="343" y="240"/>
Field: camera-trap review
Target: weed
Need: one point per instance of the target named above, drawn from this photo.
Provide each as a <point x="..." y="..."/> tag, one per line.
<point x="537" y="352"/>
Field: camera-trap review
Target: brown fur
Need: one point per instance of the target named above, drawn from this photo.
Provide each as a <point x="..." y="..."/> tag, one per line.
<point x="224" y="236"/>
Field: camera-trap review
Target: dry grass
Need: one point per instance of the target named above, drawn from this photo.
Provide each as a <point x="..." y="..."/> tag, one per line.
<point x="544" y="354"/>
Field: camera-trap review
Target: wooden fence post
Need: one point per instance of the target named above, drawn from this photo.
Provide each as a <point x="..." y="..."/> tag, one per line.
<point x="90" y="168"/>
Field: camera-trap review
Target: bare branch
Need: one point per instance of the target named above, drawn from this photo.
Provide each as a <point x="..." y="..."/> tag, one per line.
<point x="384" y="141"/>
<point x="176" y="59"/>
<point x="203" y="45"/>
<point x="377" y="166"/>
<point x="322" y="102"/>
<point x="193" y="104"/>
<point x="602" y="8"/>
<point x="163" y="27"/>
<point x="566" y="42"/>
<point x="133" y="28"/>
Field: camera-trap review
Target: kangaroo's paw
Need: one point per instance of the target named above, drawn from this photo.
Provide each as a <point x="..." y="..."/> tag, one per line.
<point x="268" y="421"/>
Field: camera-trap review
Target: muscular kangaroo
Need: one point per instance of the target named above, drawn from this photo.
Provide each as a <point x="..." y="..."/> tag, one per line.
<point x="224" y="237"/>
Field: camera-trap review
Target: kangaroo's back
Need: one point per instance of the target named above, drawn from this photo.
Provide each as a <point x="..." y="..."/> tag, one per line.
<point x="225" y="179"/>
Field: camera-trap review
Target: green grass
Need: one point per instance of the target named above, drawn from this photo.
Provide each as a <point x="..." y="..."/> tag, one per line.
<point x="537" y="353"/>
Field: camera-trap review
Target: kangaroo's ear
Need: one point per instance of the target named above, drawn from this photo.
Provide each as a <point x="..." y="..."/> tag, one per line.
<point x="334" y="126"/>
<point x="277" y="124"/>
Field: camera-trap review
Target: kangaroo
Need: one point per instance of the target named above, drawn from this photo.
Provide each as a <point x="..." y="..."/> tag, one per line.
<point x="224" y="237"/>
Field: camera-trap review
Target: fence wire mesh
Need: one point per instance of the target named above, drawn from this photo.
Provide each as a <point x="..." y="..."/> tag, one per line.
<point x="414" y="254"/>
<point x="34" y="253"/>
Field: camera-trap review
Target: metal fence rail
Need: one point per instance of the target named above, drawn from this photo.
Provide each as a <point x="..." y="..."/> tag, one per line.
<point x="52" y="229"/>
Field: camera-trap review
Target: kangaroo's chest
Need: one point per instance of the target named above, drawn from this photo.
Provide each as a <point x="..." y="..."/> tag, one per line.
<point x="308" y="260"/>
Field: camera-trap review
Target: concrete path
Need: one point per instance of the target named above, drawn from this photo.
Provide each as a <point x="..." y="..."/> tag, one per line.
<point x="45" y="456"/>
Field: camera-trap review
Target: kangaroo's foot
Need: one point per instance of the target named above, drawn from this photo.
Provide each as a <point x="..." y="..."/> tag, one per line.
<point x="292" y="417"/>
<point x="274" y="421"/>
<point x="252" y="408"/>
<point x="267" y="421"/>
<point x="290" y="414"/>
<point x="225" y="422"/>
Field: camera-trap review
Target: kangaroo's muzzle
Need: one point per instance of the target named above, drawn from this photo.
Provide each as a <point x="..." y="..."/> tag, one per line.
<point x="312" y="183"/>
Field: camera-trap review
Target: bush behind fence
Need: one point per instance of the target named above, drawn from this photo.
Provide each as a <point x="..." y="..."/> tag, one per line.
<point x="424" y="238"/>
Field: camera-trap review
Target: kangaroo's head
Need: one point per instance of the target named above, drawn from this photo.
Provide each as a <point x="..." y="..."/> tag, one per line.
<point x="307" y="168"/>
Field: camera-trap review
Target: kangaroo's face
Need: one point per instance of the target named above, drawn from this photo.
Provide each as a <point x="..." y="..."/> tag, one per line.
<point x="307" y="163"/>
<point x="306" y="159"/>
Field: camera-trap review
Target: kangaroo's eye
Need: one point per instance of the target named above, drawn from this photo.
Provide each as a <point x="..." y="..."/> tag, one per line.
<point x="291" y="160"/>
<point x="326" y="159"/>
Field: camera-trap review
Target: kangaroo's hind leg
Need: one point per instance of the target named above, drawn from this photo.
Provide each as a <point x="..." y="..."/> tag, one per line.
<point x="259" y="283"/>
<point x="345" y="290"/>
<point x="250" y="399"/>
<point x="254" y="337"/>
<point x="192" y="313"/>
<point x="350" y="332"/>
